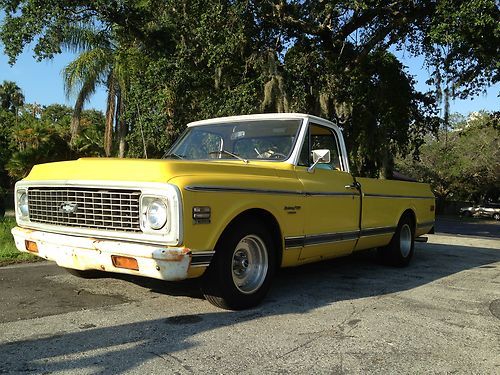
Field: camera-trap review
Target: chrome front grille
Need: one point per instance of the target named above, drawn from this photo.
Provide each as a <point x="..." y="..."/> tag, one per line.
<point x="92" y="208"/>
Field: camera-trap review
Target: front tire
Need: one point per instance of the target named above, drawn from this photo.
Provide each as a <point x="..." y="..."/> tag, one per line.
<point x="496" y="217"/>
<point x="240" y="274"/>
<point x="402" y="246"/>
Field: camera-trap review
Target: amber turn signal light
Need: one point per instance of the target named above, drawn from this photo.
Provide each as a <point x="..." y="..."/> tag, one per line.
<point x="31" y="246"/>
<point x="125" y="262"/>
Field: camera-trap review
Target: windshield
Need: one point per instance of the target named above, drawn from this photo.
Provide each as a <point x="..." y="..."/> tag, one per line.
<point x="245" y="140"/>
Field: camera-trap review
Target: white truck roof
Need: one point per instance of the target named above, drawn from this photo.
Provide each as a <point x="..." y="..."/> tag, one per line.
<point x="263" y="116"/>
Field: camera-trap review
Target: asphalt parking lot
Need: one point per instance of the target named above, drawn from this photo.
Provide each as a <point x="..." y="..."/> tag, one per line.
<point x="351" y="315"/>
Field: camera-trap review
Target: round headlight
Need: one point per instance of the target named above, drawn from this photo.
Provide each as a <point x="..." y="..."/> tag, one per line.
<point x="156" y="214"/>
<point x="23" y="204"/>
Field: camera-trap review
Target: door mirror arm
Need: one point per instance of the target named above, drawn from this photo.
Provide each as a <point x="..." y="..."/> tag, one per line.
<point x="319" y="156"/>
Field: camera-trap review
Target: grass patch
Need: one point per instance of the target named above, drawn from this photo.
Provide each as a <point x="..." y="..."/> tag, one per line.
<point x="8" y="252"/>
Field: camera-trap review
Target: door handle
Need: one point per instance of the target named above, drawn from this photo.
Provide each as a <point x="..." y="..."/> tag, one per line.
<point x="355" y="185"/>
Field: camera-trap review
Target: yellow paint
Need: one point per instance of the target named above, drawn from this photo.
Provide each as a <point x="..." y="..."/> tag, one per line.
<point x="313" y="215"/>
<point x="194" y="272"/>
<point x="328" y="213"/>
<point x="140" y="170"/>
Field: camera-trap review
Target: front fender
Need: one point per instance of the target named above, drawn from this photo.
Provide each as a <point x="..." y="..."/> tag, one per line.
<point x="226" y="205"/>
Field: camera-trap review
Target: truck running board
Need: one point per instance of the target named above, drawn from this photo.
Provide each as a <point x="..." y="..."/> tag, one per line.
<point x="421" y="239"/>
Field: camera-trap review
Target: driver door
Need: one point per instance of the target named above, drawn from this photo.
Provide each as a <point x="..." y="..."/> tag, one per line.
<point x="332" y="205"/>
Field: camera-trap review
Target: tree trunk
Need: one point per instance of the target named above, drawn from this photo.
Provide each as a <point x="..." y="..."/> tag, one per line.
<point x="122" y="127"/>
<point x="75" y="119"/>
<point x="386" y="170"/>
<point x="110" y="117"/>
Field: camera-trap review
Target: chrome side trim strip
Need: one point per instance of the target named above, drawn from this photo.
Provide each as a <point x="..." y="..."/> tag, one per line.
<point x="395" y="196"/>
<point x="294" y="242"/>
<point x="301" y="241"/>
<point x="227" y="189"/>
<point x="213" y="189"/>
<point x="201" y="258"/>
<point x="367" y="232"/>
<point x="317" y="239"/>
<point x="320" y="193"/>
<point x="330" y="237"/>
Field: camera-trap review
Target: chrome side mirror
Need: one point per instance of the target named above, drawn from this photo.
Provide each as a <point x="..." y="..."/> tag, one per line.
<point x="319" y="156"/>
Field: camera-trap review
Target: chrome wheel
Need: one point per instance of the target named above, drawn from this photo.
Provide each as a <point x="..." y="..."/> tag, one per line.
<point x="405" y="240"/>
<point x="249" y="264"/>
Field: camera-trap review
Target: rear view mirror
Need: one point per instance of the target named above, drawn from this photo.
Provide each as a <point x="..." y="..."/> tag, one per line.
<point x="319" y="156"/>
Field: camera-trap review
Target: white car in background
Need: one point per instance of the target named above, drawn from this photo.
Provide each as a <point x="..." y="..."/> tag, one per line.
<point x="491" y="210"/>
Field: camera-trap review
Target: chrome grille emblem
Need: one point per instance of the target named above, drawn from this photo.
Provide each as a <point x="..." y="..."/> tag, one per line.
<point x="68" y="207"/>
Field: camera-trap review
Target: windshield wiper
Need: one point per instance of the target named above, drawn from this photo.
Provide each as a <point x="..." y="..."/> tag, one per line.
<point x="225" y="152"/>
<point x="173" y="155"/>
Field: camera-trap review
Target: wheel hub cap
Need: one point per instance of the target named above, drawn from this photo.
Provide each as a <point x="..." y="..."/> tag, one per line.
<point x="249" y="264"/>
<point x="405" y="240"/>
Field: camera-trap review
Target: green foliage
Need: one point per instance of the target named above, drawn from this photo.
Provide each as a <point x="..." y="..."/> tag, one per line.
<point x="165" y="63"/>
<point x="462" y="42"/>
<point x="11" y="97"/>
<point x="462" y="164"/>
<point x="7" y="122"/>
<point x="8" y="252"/>
<point x="42" y="134"/>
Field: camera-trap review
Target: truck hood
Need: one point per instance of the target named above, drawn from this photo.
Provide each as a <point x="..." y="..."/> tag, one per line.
<point x="108" y="169"/>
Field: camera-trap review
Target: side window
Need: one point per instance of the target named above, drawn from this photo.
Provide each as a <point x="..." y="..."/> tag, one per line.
<point x="324" y="138"/>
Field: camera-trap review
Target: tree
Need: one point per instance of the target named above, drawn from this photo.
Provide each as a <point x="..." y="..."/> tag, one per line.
<point x="101" y="60"/>
<point x="45" y="136"/>
<point x="464" y="165"/>
<point x="11" y="96"/>
<point x="7" y="123"/>
<point x="328" y="58"/>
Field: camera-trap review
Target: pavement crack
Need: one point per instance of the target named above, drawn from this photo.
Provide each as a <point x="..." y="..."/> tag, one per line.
<point x="180" y="362"/>
<point x="298" y="347"/>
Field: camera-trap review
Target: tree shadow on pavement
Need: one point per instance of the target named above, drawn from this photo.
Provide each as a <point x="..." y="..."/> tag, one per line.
<point x="122" y="348"/>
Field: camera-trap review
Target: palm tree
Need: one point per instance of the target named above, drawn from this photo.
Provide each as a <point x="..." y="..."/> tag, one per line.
<point x="99" y="63"/>
<point x="11" y="97"/>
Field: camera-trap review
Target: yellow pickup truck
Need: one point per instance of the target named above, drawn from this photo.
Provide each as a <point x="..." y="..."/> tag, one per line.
<point x="234" y="199"/>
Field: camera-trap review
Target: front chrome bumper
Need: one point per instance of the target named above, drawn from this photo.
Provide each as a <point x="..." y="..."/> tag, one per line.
<point x="83" y="253"/>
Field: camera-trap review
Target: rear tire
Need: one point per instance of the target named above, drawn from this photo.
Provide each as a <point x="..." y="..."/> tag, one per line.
<point x="86" y="274"/>
<point x="240" y="274"/>
<point x="402" y="246"/>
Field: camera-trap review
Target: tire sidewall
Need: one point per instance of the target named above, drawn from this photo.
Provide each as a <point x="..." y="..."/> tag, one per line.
<point x="220" y="271"/>
<point x="392" y="253"/>
<point x="405" y="260"/>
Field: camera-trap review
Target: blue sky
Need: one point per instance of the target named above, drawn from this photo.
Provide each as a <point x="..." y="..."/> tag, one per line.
<point x="41" y="82"/>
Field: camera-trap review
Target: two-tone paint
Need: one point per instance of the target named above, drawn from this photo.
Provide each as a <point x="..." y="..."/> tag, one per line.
<point x="319" y="215"/>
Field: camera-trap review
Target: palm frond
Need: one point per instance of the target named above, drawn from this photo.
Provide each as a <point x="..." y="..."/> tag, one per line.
<point x="84" y="37"/>
<point x="93" y="65"/>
